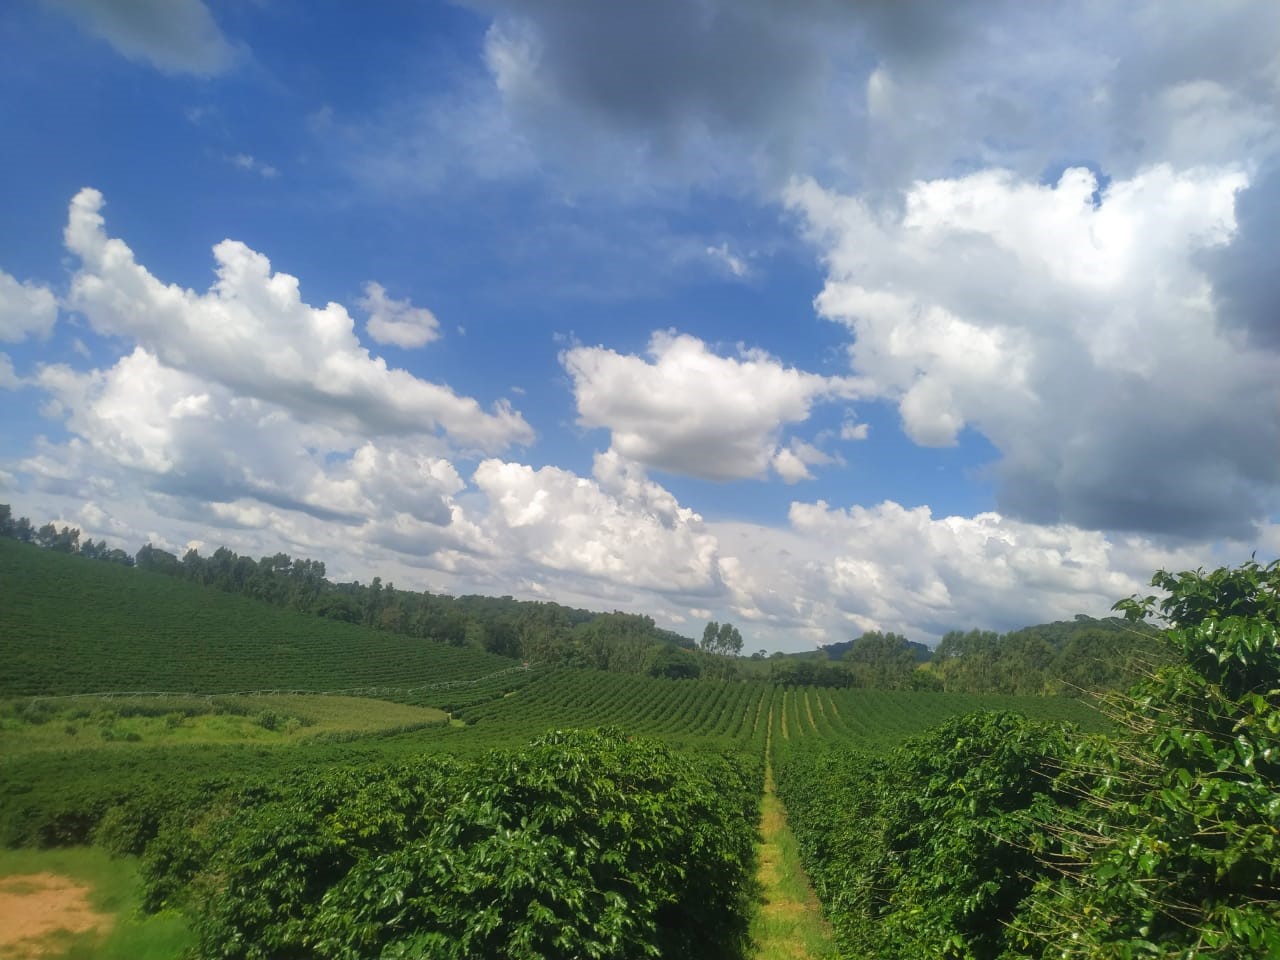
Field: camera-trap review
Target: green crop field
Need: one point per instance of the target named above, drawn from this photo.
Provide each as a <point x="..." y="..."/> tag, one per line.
<point x="234" y="746"/>
<point x="69" y="625"/>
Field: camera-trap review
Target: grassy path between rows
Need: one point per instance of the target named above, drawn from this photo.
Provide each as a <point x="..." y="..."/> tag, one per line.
<point x="788" y="924"/>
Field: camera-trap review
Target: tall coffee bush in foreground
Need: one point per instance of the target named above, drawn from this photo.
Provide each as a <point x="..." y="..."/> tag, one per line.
<point x="993" y="837"/>
<point x="1174" y="850"/>
<point x="583" y="844"/>
<point x="928" y="850"/>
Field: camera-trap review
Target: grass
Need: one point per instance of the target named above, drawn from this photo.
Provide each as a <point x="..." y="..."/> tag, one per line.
<point x="116" y="723"/>
<point x="114" y="889"/>
<point x="788" y="923"/>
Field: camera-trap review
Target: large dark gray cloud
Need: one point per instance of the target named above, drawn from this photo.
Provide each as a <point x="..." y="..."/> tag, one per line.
<point x="878" y="93"/>
<point x="669" y="63"/>
<point x="1136" y="459"/>
<point x="1246" y="274"/>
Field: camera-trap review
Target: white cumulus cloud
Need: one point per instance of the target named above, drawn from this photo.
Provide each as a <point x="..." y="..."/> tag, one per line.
<point x="26" y="309"/>
<point x="688" y="410"/>
<point x="253" y="332"/>
<point x="1072" y="325"/>
<point x="618" y="527"/>
<point x="397" y="321"/>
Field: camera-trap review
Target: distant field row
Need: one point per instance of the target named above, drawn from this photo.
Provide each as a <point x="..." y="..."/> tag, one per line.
<point x="739" y="712"/>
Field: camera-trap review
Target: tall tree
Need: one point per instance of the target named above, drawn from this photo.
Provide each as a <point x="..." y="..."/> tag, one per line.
<point x="710" y="636"/>
<point x="882" y="661"/>
<point x="728" y="640"/>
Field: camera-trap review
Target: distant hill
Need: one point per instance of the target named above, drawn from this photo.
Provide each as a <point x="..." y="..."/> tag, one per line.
<point x="69" y="624"/>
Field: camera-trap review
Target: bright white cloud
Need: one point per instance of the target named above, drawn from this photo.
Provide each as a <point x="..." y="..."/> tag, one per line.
<point x="26" y="309"/>
<point x="176" y="36"/>
<point x="689" y="411"/>
<point x="253" y="333"/>
<point x="889" y="564"/>
<point x="619" y="527"/>
<point x="833" y="573"/>
<point x="397" y="321"/>
<point x="851" y="430"/>
<point x="1074" y="328"/>
<point x="197" y="452"/>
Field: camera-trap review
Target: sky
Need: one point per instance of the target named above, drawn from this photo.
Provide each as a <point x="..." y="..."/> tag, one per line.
<point x="818" y="317"/>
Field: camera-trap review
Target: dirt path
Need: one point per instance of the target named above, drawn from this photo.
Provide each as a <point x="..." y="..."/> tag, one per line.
<point x="788" y="923"/>
<point x="36" y="905"/>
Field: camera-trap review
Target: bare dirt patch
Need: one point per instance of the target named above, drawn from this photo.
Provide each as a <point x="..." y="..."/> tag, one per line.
<point x="36" y="906"/>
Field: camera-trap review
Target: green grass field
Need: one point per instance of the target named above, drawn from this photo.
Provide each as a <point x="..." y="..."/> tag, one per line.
<point x="118" y="722"/>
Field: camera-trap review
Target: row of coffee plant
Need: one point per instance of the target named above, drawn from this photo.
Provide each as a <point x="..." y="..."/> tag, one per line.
<point x="580" y="844"/>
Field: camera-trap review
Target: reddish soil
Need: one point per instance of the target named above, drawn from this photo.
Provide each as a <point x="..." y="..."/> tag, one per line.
<point x="35" y="906"/>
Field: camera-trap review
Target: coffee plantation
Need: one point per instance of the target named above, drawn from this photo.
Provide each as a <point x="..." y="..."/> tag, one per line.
<point x="289" y="794"/>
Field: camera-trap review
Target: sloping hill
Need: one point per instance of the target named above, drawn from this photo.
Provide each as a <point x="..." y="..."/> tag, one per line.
<point x="73" y="625"/>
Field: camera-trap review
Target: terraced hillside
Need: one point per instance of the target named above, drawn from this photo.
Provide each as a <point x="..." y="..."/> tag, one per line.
<point x="70" y="625"/>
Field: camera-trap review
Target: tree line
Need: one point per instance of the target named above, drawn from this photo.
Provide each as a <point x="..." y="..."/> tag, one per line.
<point x="1055" y="658"/>
<point x="1065" y="657"/>
<point x="537" y="631"/>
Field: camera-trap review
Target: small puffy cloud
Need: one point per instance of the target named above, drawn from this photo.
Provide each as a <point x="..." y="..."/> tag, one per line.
<point x="26" y="309"/>
<point x="253" y="333"/>
<point x="790" y="467"/>
<point x="1064" y="322"/>
<point x="687" y="410"/>
<point x="397" y="321"/>
<point x="8" y="378"/>
<point x="852" y="430"/>
<point x="728" y="260"/>
<point x="792" y="463"/>
<point x="175" y="36"/>
<point x="248" y="162"/>
<point x="618" y="527"/>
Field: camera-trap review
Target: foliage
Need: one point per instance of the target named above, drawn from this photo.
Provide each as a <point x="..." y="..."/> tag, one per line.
<point x="810" y="673"/>
<point x="673" y="663"/>
<point x="580" y="844"/>
<point x="1175" y="851"/>
<point x="721" y="638"/>
<point x="925" y="851"/>
<point x="884" y="661"/>
<point x="998" y="837"/>
<point x="503" y="626"/>
<point x="1083" y="654"/>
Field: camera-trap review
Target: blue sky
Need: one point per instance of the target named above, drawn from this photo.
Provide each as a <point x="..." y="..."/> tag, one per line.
<point x="815" y="318"/>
